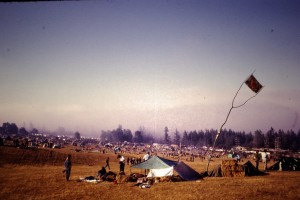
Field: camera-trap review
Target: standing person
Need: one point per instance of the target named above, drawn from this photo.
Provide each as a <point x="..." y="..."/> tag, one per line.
<point x="121" y="162"/>
<point x="265" y="160"/>
<point x="257" y="159"/>
<point x="128" y="160"/>
<point x="146" y="156"/>
<point x="107" y="163"/>
<point x="68" y="166"/>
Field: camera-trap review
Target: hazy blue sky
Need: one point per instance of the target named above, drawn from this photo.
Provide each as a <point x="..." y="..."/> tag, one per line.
<point x="92" y="65"/>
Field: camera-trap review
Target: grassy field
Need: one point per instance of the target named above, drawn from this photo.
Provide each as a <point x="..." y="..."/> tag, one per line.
<point x="27" y="174"/>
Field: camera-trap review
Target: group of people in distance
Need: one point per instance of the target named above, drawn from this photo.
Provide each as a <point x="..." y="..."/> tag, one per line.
<point x="102" y="172"/>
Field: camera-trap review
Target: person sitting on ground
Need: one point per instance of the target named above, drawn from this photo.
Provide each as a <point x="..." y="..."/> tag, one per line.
<point x="102" y="173"/>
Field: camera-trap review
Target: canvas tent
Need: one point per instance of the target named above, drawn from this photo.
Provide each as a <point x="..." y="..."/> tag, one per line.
<point x="160" y="167"/>
<point x="287" y="164"/>
<point x="250" y="170"/>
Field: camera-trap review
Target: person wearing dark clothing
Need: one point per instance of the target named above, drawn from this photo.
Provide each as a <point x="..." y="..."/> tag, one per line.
<point x="257" y="159"/>
<point x="102" y="173"/>
<point x="68" y="166"/>
<point x="107" y="163"/>
<point x="121" y="162"/>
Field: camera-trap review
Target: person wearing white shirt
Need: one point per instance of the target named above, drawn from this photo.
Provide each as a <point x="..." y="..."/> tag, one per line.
<point x="121" y="162"/>
<point x="265" y="159"/>
<point x="146" y="156"/>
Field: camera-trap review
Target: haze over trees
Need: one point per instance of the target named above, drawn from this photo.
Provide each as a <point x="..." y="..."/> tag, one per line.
<point x="288" y="140"/>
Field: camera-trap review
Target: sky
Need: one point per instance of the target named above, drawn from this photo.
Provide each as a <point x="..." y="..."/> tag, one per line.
<point x="89" y="66"/>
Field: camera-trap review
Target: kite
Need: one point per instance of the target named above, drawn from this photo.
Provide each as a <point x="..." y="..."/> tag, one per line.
<point x="253" y="84"/>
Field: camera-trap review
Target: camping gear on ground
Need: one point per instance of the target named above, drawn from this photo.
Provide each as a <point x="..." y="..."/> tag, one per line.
<point x="145" y="185"/>
<point x="110" y="176"/>
<point x="134" y="177"/>
<point x="90" y="179"/>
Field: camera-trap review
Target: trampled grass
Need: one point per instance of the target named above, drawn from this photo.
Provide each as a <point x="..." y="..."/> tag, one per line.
<point x="45" y="180"/>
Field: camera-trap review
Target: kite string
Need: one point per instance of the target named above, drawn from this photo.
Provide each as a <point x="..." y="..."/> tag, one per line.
<point x="232" y="106"/>
<point x="219" y="131"/>
<point x="245" y="101"/>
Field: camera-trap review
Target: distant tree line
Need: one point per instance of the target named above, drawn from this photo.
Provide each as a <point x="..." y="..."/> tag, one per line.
<point x="12" y="129"/>
<point x="288" y="140"/>
<point x="228" y="138"/>
<point x="122" y="135"/>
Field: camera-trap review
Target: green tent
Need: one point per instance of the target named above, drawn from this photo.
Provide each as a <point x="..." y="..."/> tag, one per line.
<point x="156" y="163"/>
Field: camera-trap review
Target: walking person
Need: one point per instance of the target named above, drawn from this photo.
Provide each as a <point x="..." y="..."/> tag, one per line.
<point x="107" y="163"/>
<point x="68" y="166"/>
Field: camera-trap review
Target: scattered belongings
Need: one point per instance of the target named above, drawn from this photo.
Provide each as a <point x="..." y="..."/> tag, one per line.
<point x="141" y="180"/>
<point x="135" y="177"/>
<point x="90" y="179"/>
<point x="144" y="182"/>
<point x="145" y="185"/>
<point x="110" y="176"/>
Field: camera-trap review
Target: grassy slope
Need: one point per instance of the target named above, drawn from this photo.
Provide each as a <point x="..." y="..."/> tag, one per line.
<point x="43" y="179"/>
